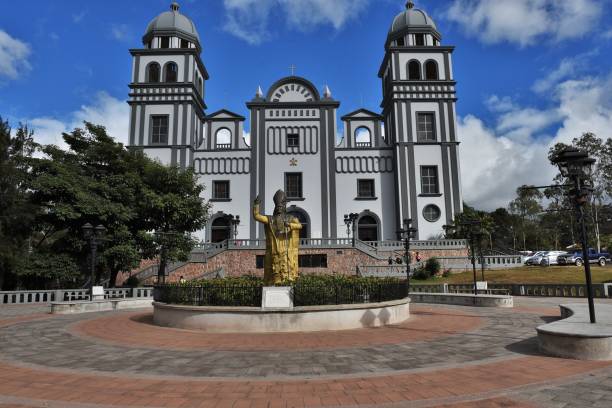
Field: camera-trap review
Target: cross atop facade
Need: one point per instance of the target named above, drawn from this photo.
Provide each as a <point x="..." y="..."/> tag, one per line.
<point x="292" y="68"/>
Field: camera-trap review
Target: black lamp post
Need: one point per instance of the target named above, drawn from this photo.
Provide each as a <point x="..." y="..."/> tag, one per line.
<point x="234" y="221"/>
<point x="94" y="236"/>
<point x="577" y="166"/>
<point x="407" y="233"/>
<point x="350" y="220"/>
<point x="479" y="236"/>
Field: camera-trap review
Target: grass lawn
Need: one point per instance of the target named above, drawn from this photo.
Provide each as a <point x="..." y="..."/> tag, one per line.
<point x="530" y="274"/>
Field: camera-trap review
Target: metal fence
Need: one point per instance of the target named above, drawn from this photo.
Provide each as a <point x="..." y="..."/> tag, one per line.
<point x="348" y="293"/>
<point x="209" y="295"/>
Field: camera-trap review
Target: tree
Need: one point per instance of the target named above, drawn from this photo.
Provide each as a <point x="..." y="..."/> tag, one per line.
<point x="526" y="206"/>
<point x="601" y="180"/>
<point x="16" y="212"/>
<point x="93" y="181"/>
<point x="171" y="206"/>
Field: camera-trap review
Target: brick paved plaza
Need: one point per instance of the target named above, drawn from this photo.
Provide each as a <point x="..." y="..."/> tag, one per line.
<point x="443" y="356"/>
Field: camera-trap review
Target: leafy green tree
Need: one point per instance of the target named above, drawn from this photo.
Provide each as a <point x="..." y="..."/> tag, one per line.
<point x="526" y="206"/>
<point x="601" y="180"/>
<point x="98" y="181"/>
<point x="171" y="206"/>
<point x="16" y="212"/>
<point x="91" y="182"/>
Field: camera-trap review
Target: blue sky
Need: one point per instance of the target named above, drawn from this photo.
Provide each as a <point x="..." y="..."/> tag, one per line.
<point x="529" y="72"/>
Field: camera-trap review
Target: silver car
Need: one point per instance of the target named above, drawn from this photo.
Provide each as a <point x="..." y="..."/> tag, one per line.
<point x="536" y="258"/>
<point x="551" y="258"/>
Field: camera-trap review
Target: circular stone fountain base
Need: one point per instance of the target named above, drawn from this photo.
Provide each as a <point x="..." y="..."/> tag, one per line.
<point x="298" y="319"/>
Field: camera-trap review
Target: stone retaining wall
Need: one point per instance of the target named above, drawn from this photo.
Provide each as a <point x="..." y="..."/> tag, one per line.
<point x="342" y="261"/>
<point x="238" y="262"/>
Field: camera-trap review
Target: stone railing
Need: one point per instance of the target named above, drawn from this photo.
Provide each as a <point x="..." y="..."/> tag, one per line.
<point x="600" y="290"/>
<point x="69" y="295"/>
<point x="490" y="262"/>
<point x="334" y="242"/>
<point x="386" y="271"/>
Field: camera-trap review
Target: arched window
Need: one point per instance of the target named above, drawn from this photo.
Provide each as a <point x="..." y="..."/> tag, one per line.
<point x="431" y="70"/>
<point x="303" y="218"/>
<point x="223" y="138"/>
<point x="363" y="137"/>
<point x="201" y="86"/>
<point x="171" y="72"/>
<point x="220" y="229"/>
<point x="367" y="228"/>
<point x="153" y="71"/>
<point x="414" y="70"/>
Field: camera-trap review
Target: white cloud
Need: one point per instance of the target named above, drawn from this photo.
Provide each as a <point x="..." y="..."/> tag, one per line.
<point x="78" y="17"/>
<point x="569" y="67"/>
<point x="120" y="32"/>
<point x="524" y="22"/>
<point x="13" y="56"/>
<point x="305" y="14"/>
<point x="494" y="161"/>
<point x="104" y="110"/>
<point x="566" y="69"/>
<point x="250" y="19"/>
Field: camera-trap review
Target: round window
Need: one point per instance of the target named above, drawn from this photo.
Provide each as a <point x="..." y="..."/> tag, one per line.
<point x="432" y="213"/>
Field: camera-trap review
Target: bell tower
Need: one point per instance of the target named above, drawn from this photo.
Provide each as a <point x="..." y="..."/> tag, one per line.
<point x="419" y="114"/>
<point x="167" y="109"/>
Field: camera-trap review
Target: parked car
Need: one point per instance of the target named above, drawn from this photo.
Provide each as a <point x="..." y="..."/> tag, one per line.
<point x="551" y="258"/>
<point x="536" y="258"/>
<point x="576" y="258"/>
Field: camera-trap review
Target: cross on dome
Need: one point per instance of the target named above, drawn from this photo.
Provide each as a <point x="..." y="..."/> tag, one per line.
<point x="292" y="67"/>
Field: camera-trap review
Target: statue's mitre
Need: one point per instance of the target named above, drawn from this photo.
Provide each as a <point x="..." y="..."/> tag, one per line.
<point x="280" y="197"/>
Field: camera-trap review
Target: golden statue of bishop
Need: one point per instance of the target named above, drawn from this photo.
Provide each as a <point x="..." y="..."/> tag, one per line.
<point x="282" y="241"/>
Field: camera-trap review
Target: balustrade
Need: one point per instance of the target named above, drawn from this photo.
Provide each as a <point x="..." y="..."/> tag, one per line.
<point x="68" y="295"/>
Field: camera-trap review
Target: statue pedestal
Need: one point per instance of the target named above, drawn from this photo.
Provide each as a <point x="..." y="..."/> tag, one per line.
<point x="277" y="297"/>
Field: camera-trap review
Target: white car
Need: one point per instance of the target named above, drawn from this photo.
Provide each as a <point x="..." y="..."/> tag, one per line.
<point x="536" y="258"/>
<point x="551" y="258"/>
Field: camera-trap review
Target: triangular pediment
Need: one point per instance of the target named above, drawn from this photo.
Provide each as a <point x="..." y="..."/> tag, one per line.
<point x="224" y="114"/>
<point x="362" y="114"/>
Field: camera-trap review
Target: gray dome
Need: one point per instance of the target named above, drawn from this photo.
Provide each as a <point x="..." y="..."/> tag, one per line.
<point x="172" y="22"/>
<point x="411" y="18"/>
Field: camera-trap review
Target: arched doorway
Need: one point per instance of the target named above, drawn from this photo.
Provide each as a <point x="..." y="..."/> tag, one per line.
<point x="304" y="219"/>
<point x="367" y="228"/>
<point x="220" y="229"/>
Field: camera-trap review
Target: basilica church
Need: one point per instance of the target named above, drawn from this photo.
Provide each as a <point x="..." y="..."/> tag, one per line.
<point x="396" y="164"/>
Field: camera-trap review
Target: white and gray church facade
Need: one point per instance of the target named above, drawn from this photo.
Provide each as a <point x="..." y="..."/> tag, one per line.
<point x="399" y="163"/>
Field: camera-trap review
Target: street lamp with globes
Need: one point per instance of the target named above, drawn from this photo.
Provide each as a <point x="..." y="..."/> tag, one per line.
<point x="350" y="220"/>
<point x="94" y="236"/>
<point x="406" y="234"/>
<point x="577" y="166"/>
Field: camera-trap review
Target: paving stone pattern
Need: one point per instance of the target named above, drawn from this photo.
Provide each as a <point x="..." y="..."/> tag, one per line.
<point x="56" y="347"/>
<point x="46" y="362"/>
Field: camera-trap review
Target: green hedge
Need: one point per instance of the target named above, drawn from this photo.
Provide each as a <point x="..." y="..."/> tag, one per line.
<point x="308" y="290"/>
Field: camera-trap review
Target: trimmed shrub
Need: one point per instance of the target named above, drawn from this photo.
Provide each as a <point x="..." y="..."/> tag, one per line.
<point x="421" y="273"/>
<point x="132" y="282"/>
<point x="432" y="265"/>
